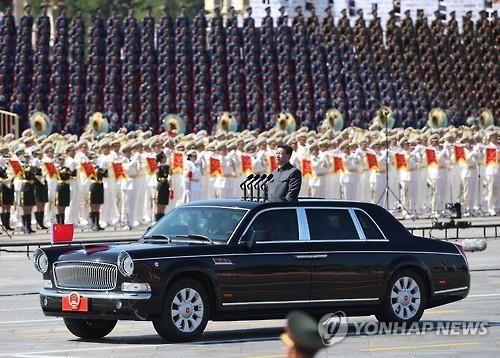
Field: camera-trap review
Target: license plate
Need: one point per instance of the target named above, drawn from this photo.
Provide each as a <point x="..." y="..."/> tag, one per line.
<point x="75" y="302"/>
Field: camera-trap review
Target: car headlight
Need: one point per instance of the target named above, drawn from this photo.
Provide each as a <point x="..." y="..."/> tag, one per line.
<point x="125" y="264"/>
<point x="41" y="261"/>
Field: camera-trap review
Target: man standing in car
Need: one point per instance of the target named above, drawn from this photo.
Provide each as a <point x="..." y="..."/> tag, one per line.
<point x="287" y="179"/>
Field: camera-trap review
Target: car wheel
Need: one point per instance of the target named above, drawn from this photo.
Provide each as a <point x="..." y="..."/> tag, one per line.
<point x="405" y="298"/>
<point x="90" y="328"/>
<point x="185" y="312"/>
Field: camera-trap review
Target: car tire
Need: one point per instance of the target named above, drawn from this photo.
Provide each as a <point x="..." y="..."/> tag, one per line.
<point x="185" y="312"/>
<point x="405" y="298"/>
<point x="90" y="328"/>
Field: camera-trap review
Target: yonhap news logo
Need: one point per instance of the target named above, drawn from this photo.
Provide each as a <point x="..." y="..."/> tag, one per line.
<point x="334" y="327"/>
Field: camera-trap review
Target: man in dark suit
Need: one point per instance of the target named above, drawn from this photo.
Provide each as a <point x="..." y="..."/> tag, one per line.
<point x="287" y="179"/>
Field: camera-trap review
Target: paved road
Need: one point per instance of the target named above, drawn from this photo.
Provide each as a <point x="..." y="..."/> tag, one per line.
<point x="25" y="332"/>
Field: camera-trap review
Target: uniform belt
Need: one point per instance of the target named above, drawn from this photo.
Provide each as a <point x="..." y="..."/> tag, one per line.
<point x="229" y="176"/>
<point x="28" y="181"/>
<point x="63" y="181"/>
<point x="195" y="180"/>
<point x="96" y="181"/>
<point x="136" y="176"/>
<point x="322" y="174"/>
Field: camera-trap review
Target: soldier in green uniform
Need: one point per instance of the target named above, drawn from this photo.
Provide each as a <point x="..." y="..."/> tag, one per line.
<point x="28" y="177"/>
<point x="41" y="188"/>
<point x="7" y="196"/>
<point x="96" y="197"/>
<point x="64" y="174"/>
<point x="163" y="186"/>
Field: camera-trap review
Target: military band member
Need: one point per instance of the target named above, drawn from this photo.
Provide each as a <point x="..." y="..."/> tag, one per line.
<point x="163" y="185"/>
<point x="28" y="178"/>
<point x="492" y="174"/>
<point x="192" y="178"/>
<point x="72" y="162"/>
<point x="6" y="192"/>
<point x="469" y="176"/>
<point x="96" y="191"/>
<point x="63" y="190"/>
<point x="41" y="187"/>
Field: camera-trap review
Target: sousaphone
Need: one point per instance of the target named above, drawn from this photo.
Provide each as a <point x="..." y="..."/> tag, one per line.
<point x="226" y="122"/>
<point x="485" y="119"/>
<point x="437" y="118"/>
<point x="40" y="124"/>
<point x="384" y="118"/>
<point x="173" y="123"/>
<point x="98" y="124"/>
<point x="333" y="120"/>
<point x="285" y="121"/>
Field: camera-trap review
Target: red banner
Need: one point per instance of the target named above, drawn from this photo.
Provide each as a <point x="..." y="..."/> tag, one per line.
<point x="401" y="163"/>
<point x="491" y="156"/>
<point x="338" y="165"/>
<point x="431" y="157"/>
<point x="177" y="163"/>
<point x="152" y="165"/>
<point x="62" y="233"/>
<point x="459" y="153"/>
<point x="246" y="164"/>
<point x="51" y="169"/>
<point x="272" y="162"/>
<point x="88" y="169"/>
<point x="118" y="170"/>
<point x="372" y="161"/>
<point x="16" y="166"/>
<point x="307" y="171"/>
<point x="215" y="167"/>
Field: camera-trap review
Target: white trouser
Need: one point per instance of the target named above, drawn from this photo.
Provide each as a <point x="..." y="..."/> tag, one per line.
<point x="74" y="204"/>
<point x="469" y="184"/>
<point x="110" y="214"/>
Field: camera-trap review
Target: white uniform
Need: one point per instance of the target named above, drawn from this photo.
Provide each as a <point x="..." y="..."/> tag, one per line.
<point x="109" y="209"/>
<point x="438" y="176"/>
<point x="129" y="193"/>
<point x="409" y="183"/>
<point x="468" y="176"/>
<point x="73" y="214"/>
<point x="350" y="179"/>
<point x="84" y="187"/>
<point x="363" y="190"/>
<point x="378" y="179"/>
<point x="50" y="211"/>
<point x="492" y="181"/>
<point x="192" y="182"/>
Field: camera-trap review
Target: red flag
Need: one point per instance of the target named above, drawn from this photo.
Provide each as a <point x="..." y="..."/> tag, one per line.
<point x="88" y="169"/>
<point x="51" y="169"/>
<point x="272" y="162"/>
<point x="118" y="170"/>
<point x="177" y="163"/>
<point x="246" y="164"/>
<point x="152" y="165"/>
<point x="431" y="157"/>
<point x="215" y="167"/>
<point x="401" y="163"/>
<point x="338" y="165"/>
<point x="372" y="161"/>
<point x="61" y="233"/>
<point x="491" y="156"/>
<point x="306" y="168"/>
<point x="459" y="153"/>
<point x="16" y="166"/>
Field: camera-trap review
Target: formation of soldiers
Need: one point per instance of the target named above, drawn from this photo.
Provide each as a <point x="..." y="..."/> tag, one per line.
<point x="125" y="179"/>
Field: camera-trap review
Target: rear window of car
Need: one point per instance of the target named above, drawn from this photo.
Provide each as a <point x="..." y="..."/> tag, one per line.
<point x="282" y="225"/>
<point x="369" y="228"/>
<point x="331" y="224"/>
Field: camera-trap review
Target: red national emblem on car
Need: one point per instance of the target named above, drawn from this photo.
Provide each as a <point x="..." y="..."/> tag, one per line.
<point x="74" y="300"/>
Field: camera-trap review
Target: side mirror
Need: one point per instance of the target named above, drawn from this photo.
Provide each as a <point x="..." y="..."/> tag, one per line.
<point x="258" y="235"/>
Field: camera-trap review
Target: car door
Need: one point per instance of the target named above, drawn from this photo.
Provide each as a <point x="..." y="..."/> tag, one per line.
<point x="346" y="268"/>
<point x="270" y="273"/>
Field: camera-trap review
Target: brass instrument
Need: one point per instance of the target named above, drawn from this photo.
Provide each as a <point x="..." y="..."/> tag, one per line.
<point x="437" y="118"/>
<point x="40" y="124"/>
<point x="333" y="120"/>
<point x="173" y="122"/>
<point x="286" y="122"/>
<point x="98" y="124"/>
<point x="384" y="119"/>
<point x="485" y="119"/>
<point x="226" y="122"/>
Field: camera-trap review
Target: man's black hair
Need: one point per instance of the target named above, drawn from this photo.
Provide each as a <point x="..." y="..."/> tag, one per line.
<point x="286" y="147"/>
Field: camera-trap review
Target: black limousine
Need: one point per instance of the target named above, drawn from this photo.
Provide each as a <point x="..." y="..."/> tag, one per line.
<point x="241" y="260"/>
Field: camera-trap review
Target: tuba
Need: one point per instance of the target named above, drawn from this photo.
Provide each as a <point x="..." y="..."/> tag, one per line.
<point x="286" y="122"/>
<point x="333" y="120"/>
<point x="437" y="118"/>
<point x="384" y="118"/>
<point x="226" y="122"/>
<point x="40" y="124"/>
<point x="485" y="119"/>
<point x="98" y="124"/>
<point x="173" y="123"/>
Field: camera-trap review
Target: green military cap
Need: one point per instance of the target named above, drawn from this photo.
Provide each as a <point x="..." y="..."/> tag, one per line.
<point x="302" y="333"/>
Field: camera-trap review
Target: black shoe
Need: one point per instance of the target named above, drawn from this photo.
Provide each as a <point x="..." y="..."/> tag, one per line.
<point x="7" y="222"/>
<point x="97" y="218"/>
<point x="28" y="223"/>
<point x="3" y="216"/>
<point x="93" y="225"/>
<point x="39" y="219"/>
<point x="60" y="218"/>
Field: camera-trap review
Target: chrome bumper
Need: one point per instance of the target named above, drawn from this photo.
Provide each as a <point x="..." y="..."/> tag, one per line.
<point x="101" y="295"/>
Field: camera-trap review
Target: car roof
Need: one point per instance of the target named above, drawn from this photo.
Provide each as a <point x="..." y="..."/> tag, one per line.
<point x="249" y="204"/>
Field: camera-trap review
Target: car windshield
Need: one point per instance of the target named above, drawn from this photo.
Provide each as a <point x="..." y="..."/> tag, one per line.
<point x="214" y="223"/>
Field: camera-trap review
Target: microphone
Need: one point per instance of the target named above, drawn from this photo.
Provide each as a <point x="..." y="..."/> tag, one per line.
<point x="246" y="180"/>
<point x="261" y="179"/>
<point x="254" y="179"/>
<point x="263" y="186"/>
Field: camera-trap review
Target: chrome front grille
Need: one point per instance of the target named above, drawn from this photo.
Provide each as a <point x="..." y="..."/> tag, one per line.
<point x="82" y="275"/>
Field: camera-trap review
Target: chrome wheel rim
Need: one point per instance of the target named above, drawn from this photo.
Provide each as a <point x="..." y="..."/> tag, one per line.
<point x="187" y="310"/>
<point x="405" y="297"/>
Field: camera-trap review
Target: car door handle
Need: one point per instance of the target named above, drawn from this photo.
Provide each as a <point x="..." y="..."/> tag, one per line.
<point x="311" y="257"/>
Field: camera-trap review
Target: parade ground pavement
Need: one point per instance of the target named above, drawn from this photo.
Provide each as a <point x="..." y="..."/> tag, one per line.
<point x="26" y="332"/>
